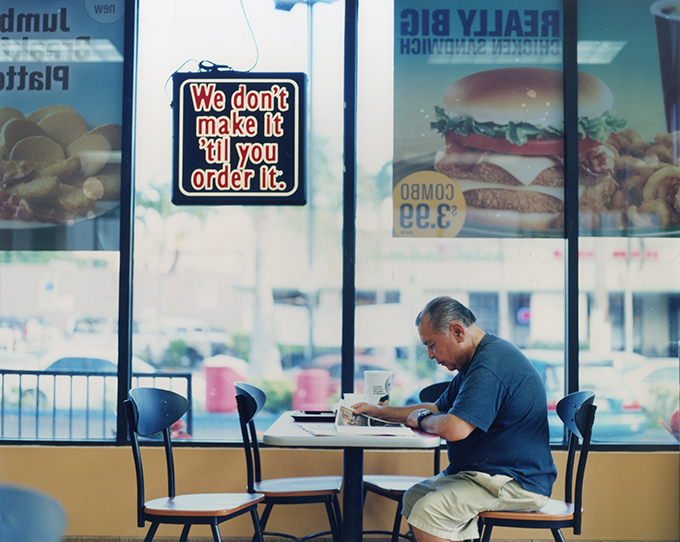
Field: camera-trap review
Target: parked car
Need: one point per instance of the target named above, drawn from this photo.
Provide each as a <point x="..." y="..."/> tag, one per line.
<point x="82" y="331"/>
<point x="72" y="392"/>
<point x="26" y="334"/>
<point x="656" y="383"/>
<point x="619" y="412"/>
<point x="148" y="341"/>
<point x="199" y="340"/>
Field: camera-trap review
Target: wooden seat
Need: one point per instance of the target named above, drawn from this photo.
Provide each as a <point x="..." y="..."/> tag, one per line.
<point x="299" y="490"/>
<point x="552" y="511"/>
<point x="577" y="412"/>
<point x="150" y="413"/>
<point x="393" y="486"/>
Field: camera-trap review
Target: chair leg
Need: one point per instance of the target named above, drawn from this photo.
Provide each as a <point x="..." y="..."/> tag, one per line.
<point x="338" y="516"/>
<point x="262" y="522"/>
<point x="217" y="537"/>
<point x="151" y="533"/>
<point x="486" y="533"/>
<point x="334" y="519"/>
<point x="397" y="523"/>
<point x="185" y="533"/>
<point x="264" y="518"/>
<point x="257" y="537"/>
<point x="557" y="535"/>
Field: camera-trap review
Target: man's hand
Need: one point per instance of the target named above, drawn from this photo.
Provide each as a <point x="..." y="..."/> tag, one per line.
<point x="368" y="409"/>
<point x="392" y="413"/>
<point x="412" y="420"/>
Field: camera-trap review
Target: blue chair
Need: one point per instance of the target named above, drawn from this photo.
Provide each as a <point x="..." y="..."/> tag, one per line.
<point x="283" y="491"/>
<point x="27" y="515"/>
<point x="150" y="413"/>
<point x="577" y="412"/>
<point x="393" y="486"/>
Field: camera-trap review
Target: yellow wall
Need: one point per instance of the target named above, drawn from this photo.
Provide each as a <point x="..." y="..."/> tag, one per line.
<point x="628" y="496"/>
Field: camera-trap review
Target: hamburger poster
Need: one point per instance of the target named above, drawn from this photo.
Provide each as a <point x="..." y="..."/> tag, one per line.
<point x="479" y="119"/>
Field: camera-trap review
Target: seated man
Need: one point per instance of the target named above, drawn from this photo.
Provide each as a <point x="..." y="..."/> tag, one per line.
<point x="494" y="418"/>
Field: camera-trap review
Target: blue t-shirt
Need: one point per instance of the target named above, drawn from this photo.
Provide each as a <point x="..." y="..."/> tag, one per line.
<point x="503" y="396"/>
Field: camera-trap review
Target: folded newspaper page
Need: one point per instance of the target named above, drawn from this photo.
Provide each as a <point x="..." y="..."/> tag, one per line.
<point x="348" y="417"/>
<point x="347" y="422"/>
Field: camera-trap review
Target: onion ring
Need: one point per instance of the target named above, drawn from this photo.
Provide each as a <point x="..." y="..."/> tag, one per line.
<point x="666" y="175"/>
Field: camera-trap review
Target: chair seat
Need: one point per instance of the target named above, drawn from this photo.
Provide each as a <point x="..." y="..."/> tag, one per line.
<point x="390" y="485"/>
<point x="553" y="511"/>
<point x="202" y="504"/>
<point x="300" y="487"/>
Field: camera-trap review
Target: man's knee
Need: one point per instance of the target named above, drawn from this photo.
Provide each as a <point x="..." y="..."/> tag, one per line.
<point x="408" y="500"/>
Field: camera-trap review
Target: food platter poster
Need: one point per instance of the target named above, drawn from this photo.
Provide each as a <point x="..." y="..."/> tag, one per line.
<point x="479" y="121"/>
<point x="238" y="138"/>
<point x="61" y="88"/>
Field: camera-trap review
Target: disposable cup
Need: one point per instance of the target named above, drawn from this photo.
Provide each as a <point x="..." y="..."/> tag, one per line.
<point x="378" y="387"/>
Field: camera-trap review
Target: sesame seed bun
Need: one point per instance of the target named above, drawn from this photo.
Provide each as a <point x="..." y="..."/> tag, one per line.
<point x="530" y="95"/>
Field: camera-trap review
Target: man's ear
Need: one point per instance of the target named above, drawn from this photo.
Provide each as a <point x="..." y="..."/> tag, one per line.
<point x="457" y="331"/>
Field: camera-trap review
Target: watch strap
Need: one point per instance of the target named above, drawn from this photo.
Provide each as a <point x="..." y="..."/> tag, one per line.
<point x="424" y="414"/>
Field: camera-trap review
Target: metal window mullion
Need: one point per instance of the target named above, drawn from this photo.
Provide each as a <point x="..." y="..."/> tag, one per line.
<point x="87" y="406"/>
<point x="54" y="406"/>
<point x="37" y="407"/>
<point x="570" y="69"/>
<point x="2" y="403"/>
<point x="126" y="222"/>
<point x="70" y="407"/>
<point x="190" y="398"/>
<point x="349" y="195"/>
<point x="104" y="408"/>
<point x="21" y="400"/>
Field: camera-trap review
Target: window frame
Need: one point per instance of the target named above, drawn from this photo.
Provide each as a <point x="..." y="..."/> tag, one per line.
<point x="349" y="207"/>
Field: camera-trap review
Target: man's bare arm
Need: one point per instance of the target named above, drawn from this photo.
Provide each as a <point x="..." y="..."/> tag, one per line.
<point x="448" y="426"/>
<point x="393" y="413"/>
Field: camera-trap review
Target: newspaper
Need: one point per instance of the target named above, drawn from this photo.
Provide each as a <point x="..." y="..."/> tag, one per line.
<point x="349" y="423"/>
<point x="348" y="417"/>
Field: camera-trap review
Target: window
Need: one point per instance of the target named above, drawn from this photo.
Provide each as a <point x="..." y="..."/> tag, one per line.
<point x="228" y="293"/>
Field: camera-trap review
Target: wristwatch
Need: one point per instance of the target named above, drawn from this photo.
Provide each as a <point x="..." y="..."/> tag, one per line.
<point x="424" y="414"/>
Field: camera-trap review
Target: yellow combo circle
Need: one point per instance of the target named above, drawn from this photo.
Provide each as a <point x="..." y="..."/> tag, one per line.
<point x="427" y="204"/>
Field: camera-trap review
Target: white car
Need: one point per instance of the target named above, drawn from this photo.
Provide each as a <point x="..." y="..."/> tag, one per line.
<point x="95" y="391"/>
<point x="656" y="385"/>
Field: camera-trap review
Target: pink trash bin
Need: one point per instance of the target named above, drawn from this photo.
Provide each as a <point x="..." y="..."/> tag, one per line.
<point x="220" y="394"/>
<point x="311" y="391"/>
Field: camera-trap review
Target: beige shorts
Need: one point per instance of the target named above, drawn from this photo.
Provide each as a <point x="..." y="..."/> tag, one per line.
<point x="447" y="506"/>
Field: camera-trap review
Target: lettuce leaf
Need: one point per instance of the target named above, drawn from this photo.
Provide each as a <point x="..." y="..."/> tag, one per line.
<point x="519" y="133"/>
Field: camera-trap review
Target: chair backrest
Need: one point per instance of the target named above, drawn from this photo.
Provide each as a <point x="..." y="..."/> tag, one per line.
<point x="429" y="394"/>
<point x="249" y="401"/>
<point x="27" y="515"/>
<point x="577" y="412"/>
<point x="150" y="413"/>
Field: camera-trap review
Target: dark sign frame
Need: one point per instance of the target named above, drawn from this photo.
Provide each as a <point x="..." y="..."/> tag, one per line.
<point x="239" y="138"/>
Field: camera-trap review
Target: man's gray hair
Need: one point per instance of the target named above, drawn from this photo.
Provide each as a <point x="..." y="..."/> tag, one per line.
<point x="441" y="311"/>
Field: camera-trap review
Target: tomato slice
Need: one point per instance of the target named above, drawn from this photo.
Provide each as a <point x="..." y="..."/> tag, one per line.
<point x="499" y="144"/>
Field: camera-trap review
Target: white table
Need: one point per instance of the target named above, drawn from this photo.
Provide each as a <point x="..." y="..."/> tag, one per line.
<point x="286" y="432"/>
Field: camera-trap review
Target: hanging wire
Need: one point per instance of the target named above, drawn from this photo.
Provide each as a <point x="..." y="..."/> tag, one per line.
<point x="252" y="34"/>
<point x="165" y="87"/>
<point x="210" y="66"/>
